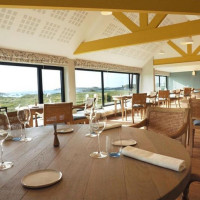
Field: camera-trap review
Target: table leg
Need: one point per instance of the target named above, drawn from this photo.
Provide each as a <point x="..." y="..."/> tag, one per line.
<point x="115" y="107"/>
<point x="122" y="105"/>
<point x="31" y="120"/>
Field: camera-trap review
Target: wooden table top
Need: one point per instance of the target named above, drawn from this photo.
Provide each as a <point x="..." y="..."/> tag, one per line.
<point x="87" y="178"/>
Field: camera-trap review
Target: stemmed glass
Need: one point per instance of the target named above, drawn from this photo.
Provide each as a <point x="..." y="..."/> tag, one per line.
<point x="24" y="114"/>
<point x="98" y="124"/>
<point x="90" y="114"/>
<point x="4" y="132"/>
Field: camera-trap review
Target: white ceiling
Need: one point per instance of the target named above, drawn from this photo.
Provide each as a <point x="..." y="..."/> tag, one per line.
<point x="60" y="32"/>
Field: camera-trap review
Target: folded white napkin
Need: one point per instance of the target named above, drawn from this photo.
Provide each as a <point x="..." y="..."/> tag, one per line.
<point x="110" y="126"/>
<point x="154" y="158"/>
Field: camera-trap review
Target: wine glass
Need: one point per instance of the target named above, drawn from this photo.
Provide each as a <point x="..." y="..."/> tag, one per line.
<point x="4" y="132"/>
<point x="98" y="124"/>
<point x="90" y="114"/>
<point x="24" y="114"/>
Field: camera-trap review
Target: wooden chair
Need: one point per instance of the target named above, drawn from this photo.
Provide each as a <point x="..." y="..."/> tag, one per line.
<point x="14" y="121"/>
<point x="187" y="92"/>
<point x="138" y="104"/>
<point x="172" y="122"/>
<point x="58" y="113"/>
<point x="194" y="105"/>
<point x="163" y="96"/>
<point x="176" y="98"/>
<point x="79" y="117"/>
<point x="152" y="99"/>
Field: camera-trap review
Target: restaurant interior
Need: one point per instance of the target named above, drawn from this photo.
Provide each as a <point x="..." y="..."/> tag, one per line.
<point x="100" y="100"/>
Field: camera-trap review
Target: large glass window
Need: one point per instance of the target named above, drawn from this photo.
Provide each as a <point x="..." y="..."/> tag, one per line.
<point x="115" y="84"/>
<point x="161" y="82"/>
<point x="18" y="85"/>
<point x="106" y="84"/>
<point x="51" y="86"/>
<point x="88" y="84"/>
<point x="25" y="84"/>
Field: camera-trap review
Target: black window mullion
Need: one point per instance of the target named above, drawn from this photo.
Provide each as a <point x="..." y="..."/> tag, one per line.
<point x="102" y="89"/>
<point x="40" y="86"/>
<point x="62" y="85"/>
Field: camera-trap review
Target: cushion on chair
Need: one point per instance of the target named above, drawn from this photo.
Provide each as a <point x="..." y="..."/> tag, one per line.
<point x="196" y="122"/>
<point x="79" y="115"/>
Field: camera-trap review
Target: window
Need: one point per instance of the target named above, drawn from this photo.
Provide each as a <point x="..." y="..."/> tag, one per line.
<point x="161" y="82"/>
<point x="51" y="86"/>
<point x="24" y="84"/>
<point x="88" y="83"/>
<point x="104" y="84"/>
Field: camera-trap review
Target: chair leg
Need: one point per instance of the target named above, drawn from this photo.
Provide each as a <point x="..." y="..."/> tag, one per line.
<point x="125" y="114"/>
<point x="191" y="140"/>
<point x="133" y="116"/>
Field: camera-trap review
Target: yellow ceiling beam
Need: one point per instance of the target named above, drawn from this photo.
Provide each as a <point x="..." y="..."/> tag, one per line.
<point x="166" y="6"/>
<point x="156" y="21"/>
<point x="189" y="58"/>
<point x="197" y="50"/>
<point x="176" y="48"/>
<point x="189" y="49"/>
<point x="143" y="20"/>
<point x="141" y="37"/>
<point x="126" y="21"/>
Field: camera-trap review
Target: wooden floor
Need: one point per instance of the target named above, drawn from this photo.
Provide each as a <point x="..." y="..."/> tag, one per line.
<point x="195" y="187"/>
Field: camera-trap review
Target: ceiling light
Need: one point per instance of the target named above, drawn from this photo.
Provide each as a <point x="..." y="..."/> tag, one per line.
<point x="161" y="52"/>
<point x="187" y="40"/>
<point x="106" y="12"/>
<point x="193" y="73"/>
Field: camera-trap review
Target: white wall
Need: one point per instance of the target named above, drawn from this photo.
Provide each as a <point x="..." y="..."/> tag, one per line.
<point x="147" y="80"/>
<point x="70" y="85"/>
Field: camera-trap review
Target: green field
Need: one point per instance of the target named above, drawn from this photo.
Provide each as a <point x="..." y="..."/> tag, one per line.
<point x="13" y="102"/>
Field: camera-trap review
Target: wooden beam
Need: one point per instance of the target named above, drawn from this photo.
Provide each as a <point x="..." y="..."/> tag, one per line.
<point x="189" y="49"/>
<point x="197" y="50"/>
<point x="157" y="20"/>
<point x="143" y="20"/>
<point x="142" y="37"/>
<point x="189" y="58"/>
<point x="166" y="6"/>
<point x="126" y="21"/>
<point x="176" y="48"/>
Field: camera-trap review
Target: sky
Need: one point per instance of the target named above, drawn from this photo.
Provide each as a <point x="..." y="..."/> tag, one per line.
<point x="93" y="79"/>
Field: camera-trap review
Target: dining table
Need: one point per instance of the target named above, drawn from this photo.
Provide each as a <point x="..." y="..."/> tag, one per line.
<point x="84" y="177"/>
<point x="122" y="99"/>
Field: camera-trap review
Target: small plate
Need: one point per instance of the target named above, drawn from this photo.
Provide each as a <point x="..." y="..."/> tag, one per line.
<point x="65" y="130"/>
<point x="124" y="142"/>
<point x="41" y="178"/>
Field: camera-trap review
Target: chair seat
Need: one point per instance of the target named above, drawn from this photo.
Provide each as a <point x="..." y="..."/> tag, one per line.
<point x="196" y="122"/>
<point x="79" y="115"/>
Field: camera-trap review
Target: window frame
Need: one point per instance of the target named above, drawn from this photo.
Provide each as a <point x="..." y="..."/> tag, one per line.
<point x="39" y="77"/>
<point x="159" y="80"/>
<point x="102" y="81"/>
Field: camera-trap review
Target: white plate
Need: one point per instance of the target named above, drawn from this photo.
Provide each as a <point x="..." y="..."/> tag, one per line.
<point x="41" y="178"/>
<point x="124" y="142"/>
<point x="65" y="130"/>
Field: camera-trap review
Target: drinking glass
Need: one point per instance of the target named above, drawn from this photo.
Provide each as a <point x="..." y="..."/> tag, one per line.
<point x="113" y="145"/>
<point x="98" y="124"/>
<point x="90" y="114"/>
<point x="4" y="132"/>
<point x="24" y="114"/>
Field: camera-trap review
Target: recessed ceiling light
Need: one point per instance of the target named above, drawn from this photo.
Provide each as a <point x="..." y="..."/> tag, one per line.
<point x="106" y="12"/>
<point x="161" y="52"/>
<point x="187" y="40"/>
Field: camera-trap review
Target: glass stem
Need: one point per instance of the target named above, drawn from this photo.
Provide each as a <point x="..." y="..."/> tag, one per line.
<point x="98" y="143"/>
<point x="1" y="152"/>
<point x="25" y="130"/>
